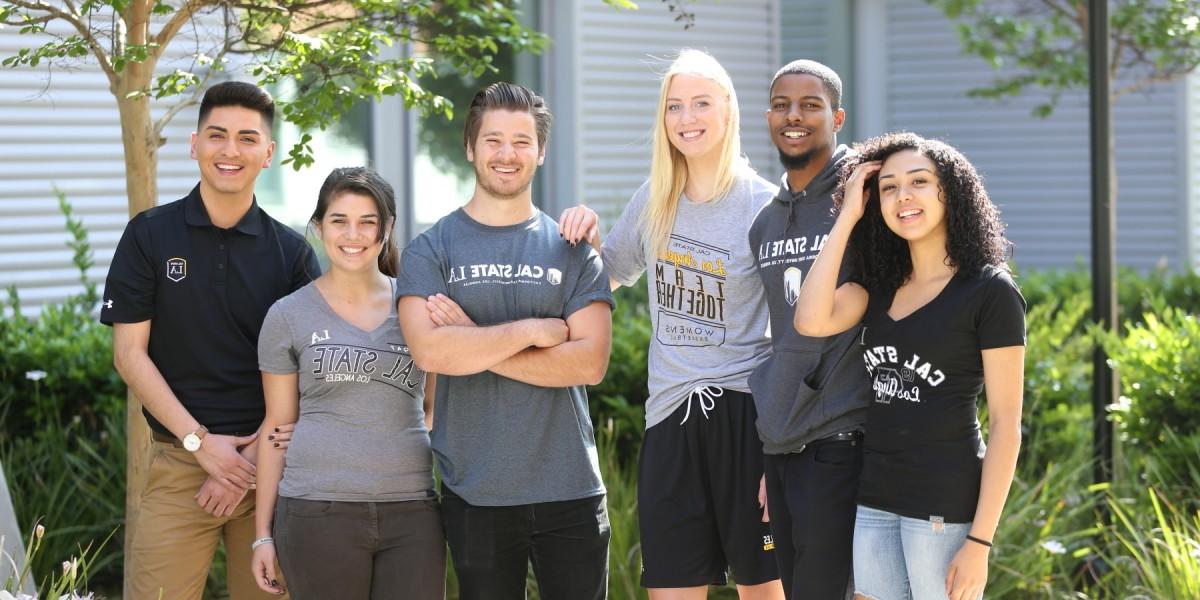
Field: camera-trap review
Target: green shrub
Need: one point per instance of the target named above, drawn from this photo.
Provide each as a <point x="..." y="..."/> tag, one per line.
<point x="1158" y="361"/>
<point x="1157" y="551"/>
<point x="1134" y="290"/>
<point x="58" y="366"/>
<point x="621" y="397"/>
<point x="1058" y="369"/>
<point x="62" y="423"/>
<point x="1049" y="523"/>
<point x="72" y="480"/>
<point x="624" y="547"/>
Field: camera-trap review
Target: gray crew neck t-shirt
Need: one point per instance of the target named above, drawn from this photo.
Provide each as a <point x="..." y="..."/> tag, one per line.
<point x="498" y="441"/>
<point x="707" y="307"/>
<point x="361" y="434"/>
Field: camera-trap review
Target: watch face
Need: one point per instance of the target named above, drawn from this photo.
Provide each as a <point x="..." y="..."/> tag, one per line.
<point x="191" y="442"/>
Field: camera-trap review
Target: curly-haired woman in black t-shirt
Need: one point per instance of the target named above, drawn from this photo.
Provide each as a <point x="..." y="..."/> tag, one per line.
<point x="942" y="321"/>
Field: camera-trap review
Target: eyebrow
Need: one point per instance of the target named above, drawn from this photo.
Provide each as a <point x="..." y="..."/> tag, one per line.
<point x="517" y="135"/>
<point x="240" y="131"/>
<point x="783" y="97"/>
<point x="366" y="216"/>
<point x="909" y="172"/>
<point x="670" y="98"/>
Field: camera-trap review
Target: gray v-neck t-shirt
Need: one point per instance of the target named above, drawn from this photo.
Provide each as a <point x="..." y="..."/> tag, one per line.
<point x="361" y="435"/>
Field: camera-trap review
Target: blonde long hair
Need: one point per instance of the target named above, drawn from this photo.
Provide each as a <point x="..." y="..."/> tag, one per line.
<point x="668" y="167"/>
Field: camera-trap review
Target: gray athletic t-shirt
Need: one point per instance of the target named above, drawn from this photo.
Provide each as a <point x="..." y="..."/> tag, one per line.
<point x="707" y="306"/>
<point x="361" y="435"/>
<point x="498" y="441"/>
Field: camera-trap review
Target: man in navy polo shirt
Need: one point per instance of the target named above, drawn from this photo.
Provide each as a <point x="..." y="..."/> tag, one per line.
<point x="186" y="295"/>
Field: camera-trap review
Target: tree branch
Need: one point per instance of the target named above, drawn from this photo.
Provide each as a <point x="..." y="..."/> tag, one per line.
<point x="1142" y="83"/>
<point x="28" y="21"/>
<point x="84" y="32"/>
<point x="195" y="98"/>
<point x="176" y="22"/>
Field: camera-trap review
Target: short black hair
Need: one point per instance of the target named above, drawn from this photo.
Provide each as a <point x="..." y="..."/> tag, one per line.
<point x="829" y="78"/>
<point x="238" y="93"/>
<point x="507" y="96"/>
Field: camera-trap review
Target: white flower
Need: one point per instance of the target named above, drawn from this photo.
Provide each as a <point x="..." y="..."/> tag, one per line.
<point x="71" y="568"/>
<point x="32" y="376"/>
<point x="39" y="531"/>
<point x="1190" y="22"/>
<point x="1054" y="547"/>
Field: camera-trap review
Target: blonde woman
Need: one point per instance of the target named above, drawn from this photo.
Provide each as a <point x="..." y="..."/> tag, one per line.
<point x="699" y="493"/>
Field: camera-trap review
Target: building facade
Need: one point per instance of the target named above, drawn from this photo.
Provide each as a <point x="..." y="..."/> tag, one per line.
<point x="900" y="60"/>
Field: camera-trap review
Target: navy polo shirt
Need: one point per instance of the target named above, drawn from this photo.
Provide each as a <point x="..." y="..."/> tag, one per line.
<point x="206" y="291"/>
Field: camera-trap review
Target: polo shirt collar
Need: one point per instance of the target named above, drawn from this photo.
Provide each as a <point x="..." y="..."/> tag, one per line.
<point x="197" y="216"/>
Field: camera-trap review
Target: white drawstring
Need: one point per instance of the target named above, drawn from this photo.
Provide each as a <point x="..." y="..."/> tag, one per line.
<point x="707" y="395"/>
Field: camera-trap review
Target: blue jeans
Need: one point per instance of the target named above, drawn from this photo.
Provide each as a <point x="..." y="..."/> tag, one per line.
<point x="901" y="558"/>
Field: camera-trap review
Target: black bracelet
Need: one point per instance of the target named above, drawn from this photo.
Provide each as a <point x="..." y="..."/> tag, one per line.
<point x="979" y="541"/>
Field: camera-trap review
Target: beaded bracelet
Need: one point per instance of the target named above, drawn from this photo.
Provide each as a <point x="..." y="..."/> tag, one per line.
<point x="261" y="542"/>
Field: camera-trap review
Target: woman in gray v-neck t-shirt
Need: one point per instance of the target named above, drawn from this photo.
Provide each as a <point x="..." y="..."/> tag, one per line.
<point x="355" y="514"/>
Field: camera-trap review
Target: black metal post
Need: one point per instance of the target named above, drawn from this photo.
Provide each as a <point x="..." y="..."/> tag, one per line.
<point x="1104" y="210"/>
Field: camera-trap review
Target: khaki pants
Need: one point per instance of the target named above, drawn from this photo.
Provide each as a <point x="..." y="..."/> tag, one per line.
<point x="174" y="539"/>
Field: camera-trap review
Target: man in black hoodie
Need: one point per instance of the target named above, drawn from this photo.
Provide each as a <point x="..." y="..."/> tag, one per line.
<point x="811" y="395"/>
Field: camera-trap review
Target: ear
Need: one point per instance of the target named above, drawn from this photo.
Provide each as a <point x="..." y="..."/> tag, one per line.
<point x="839" y="119"/>
<point x="470" y="154"/>
<point x="270" y="154"/>
<point x="192" y="151"/>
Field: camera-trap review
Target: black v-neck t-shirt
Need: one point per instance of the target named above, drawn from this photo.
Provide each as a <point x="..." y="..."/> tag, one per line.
<point x="923" y="453"/>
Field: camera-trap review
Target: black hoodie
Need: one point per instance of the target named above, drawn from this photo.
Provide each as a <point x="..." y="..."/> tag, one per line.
<point x="809" y="388"/>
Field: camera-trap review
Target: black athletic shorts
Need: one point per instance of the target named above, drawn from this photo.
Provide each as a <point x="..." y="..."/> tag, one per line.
<point x="698" y="511"/>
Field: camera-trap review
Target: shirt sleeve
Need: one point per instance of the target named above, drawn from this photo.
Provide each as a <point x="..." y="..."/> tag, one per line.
<point x="1001" y="319"/>
<point x="591" y="285"/>
<point x="624" y="249"/>
<point x="130" y="288"/>
<point x="305" y="268"/>
<point x="421" y="269"/>
<point x="276" y="353"/>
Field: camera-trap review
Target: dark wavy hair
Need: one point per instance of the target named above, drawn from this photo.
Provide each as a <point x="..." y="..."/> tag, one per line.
<point x="365" y="181"/>
<point x="880" y="259"/>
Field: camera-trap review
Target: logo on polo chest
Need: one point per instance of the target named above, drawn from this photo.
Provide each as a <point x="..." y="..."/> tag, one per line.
<point x="176" y="269"/>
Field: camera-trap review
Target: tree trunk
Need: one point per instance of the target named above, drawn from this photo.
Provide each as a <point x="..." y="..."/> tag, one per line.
<point x="141" y="188"/>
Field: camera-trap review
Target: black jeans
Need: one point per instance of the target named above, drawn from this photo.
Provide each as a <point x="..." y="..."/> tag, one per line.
<point x="811" y="496"/>
<point x="492" y="545"/>
<point x="360" y="550"/>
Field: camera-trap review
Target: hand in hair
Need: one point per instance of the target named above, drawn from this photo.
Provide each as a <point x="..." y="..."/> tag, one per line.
<point x="854" y="203"/>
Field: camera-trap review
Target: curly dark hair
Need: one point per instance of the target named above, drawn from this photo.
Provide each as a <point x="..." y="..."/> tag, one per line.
<point x="879" y="259"/>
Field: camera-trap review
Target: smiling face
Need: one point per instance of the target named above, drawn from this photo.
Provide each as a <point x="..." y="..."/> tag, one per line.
<point x="506" y="153"/>
<point x="352" y="232"/>
<point x="802" y="120"/>
<point x="910" y="197"/>
<point x="696" y="116"/>
<point x="231" y="147"/>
